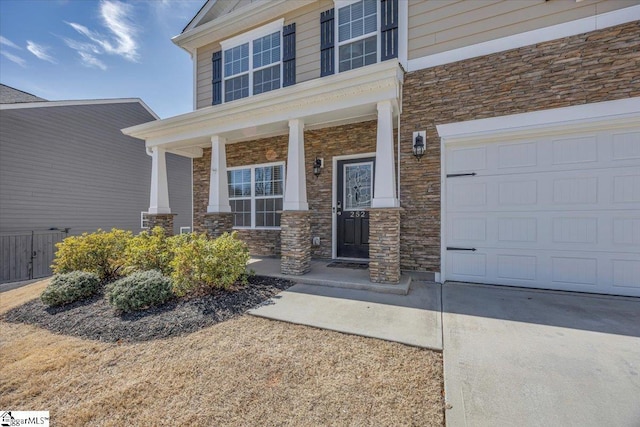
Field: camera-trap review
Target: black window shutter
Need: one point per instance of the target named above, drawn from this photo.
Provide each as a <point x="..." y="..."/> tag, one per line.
<point x="289" y="55"/>
<point x="389" y="29"/>
<point x="327" y="42"/>
<point x="216" y="61"/>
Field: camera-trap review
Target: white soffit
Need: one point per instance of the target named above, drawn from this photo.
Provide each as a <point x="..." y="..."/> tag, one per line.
<point x="608" y="114"/>
<point x="566" y="29"/>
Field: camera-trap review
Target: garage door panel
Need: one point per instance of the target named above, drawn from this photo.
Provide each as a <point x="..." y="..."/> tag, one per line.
<point x="558" y="212"/>
<point x="583" y="271"/>
<point x="602" y="231"/>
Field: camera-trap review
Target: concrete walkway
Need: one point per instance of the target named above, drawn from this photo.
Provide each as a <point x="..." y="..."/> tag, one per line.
<point x="323" y="275"/>
<point x="540" y="358"/>
<point x="412" y="319"/>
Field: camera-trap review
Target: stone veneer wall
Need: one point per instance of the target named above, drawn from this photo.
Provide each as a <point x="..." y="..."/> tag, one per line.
<point x="598" y="66"/>
<point x="358" y="138"/>
<point x="162" y="220"/>
<point x="384" y="245"/>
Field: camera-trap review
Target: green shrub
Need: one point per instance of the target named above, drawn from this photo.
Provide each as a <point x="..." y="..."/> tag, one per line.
<point x="101" y="253"/>
<point x="201" y="263"/>
<point x="140" y="290"/>
<point x="149" y="251"/>
<point x="70" y="287"/>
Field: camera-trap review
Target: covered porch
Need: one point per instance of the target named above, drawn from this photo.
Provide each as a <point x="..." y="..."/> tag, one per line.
<point x="364" y="96"/>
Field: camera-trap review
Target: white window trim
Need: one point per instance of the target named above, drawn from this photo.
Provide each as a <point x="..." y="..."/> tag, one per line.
<point x="253" y="197"/>
<point x="143" y="220"/>
<point x="185" y="230"/>
<point x="249" y="37"/>
<point x="336" y="19"/>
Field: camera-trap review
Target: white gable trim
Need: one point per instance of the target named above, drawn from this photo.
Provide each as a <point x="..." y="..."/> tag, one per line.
<point x="44" y="104"/>
<point x="572" y="28"/>
<point x="599" y="114"/>
<point x="201" y="13"/>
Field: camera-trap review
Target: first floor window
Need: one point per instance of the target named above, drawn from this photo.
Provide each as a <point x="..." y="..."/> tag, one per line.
<point x="256" y="194"/>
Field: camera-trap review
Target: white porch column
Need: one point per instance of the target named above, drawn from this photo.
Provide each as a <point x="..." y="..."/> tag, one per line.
<point x="295" y="194"/>
<point x="159" y="198"/>
<point x="384" y="194"/>
<point x="218" y="188"/>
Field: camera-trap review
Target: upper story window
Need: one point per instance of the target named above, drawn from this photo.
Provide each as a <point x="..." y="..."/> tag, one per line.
<point x="252" y="62"/>
<point x="357" y="35"/>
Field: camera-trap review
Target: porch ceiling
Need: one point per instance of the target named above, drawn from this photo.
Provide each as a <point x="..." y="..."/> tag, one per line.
<point x="342" y="98"/>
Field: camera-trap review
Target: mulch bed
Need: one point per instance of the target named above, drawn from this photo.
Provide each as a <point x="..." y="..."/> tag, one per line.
<point x="95" y="319"/>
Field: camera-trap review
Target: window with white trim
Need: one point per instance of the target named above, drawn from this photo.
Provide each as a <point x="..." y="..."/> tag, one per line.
<point x="252" y="62"/>
<point x="357" y="26"/>
<point x="256" y="194"/>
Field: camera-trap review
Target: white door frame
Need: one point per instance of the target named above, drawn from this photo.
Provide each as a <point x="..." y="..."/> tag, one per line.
<point x="334" y="197"/>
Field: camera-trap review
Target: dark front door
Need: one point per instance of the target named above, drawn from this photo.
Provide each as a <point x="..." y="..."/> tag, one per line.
<point x="355" y="191"/>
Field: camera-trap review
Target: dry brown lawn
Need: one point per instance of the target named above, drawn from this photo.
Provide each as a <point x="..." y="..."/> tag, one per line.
<point x="245" y="371"/>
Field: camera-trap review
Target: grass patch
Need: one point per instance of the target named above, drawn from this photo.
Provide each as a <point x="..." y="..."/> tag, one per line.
<point x="244" y="371"/>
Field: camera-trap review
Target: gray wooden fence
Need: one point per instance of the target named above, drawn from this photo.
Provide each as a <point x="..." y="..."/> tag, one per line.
<point x="27" y="255"/>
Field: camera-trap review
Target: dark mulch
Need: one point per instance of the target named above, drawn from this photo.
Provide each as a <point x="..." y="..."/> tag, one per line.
<point x="95" y="319"/>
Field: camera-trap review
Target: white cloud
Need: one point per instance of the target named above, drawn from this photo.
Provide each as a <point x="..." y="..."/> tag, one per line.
<point x="87" y="52"/>
<point x="117" y="18"/>
<point x="15" y="58"/>
<point x="5" y="41"/>
<point x="40" y="51"/>
<point x="91" y="61"/>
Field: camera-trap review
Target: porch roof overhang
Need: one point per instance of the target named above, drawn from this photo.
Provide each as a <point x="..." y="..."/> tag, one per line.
<point x="342" y="98"/>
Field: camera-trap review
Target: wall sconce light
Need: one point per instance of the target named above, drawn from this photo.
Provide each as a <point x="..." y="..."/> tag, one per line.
<point x="419" y="142"/>
<point x="318" y="164"/>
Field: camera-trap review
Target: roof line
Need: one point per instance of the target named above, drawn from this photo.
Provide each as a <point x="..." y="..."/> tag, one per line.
<point x="208" y="4"/>
<point x="67" y="103"/>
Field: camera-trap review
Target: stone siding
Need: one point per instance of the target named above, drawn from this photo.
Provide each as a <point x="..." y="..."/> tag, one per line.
<point x="162" y="220"/>
<point x="593" y="67"/>
<point x="216" y="224"/>
<point x="296" y="242"/>
<point x="384" y="245"/>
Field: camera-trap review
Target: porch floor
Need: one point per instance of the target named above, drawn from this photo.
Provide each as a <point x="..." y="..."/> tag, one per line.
<point x="321" y="274"/>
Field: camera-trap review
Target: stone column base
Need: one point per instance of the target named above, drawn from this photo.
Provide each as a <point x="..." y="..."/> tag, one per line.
<point x="161" y="220"/>
<point x="384" y="245"/>
<point x="218" y="223"/>
<point x="295" y="242"/>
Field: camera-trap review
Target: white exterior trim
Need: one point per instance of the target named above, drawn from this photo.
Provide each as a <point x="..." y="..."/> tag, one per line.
<point x="600" y="115"/>
<point x="218" y="188"/>
<point x="201" y="13"/>
<point x="334" y="197"/>
<point x="159" y="194"/>
<point x="566" y="29"/>
<point x="384" y="192"/>
<point x="245" y="17"/>
<point x="403" y="34"/>
<point x="317" y="101"/>
<point x="295" y="191"/>
<point x="42" y="104"/>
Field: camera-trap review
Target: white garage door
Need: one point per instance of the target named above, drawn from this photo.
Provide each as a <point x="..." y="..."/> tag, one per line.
<point x="555" y="211"/>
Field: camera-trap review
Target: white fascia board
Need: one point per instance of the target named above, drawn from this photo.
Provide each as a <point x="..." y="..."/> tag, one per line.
<point x="366" y="85"/>
<point x="232" y="23"/>
<point x="201" y="13"/>
<point x="566" y="29"/>
<point x="44" y="104"/>
<point x="598" y="114"/>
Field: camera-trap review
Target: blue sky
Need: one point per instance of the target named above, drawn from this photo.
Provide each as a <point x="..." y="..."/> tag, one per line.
<point x="94" y="49"/>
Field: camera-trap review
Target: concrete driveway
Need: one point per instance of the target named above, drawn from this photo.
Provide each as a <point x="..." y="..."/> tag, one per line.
<point x="536" y="358"/>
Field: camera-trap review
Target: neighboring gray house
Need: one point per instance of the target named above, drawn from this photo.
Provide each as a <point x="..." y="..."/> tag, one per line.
<point x="65" y="167"/>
